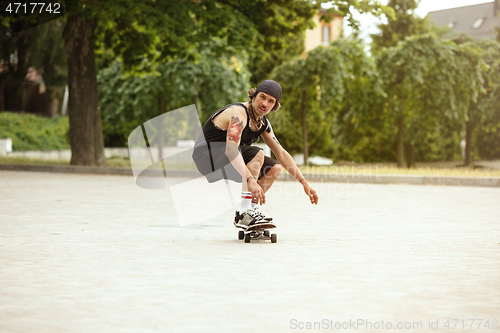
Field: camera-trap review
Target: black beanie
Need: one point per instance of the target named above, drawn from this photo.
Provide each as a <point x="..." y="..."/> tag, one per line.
<point x="270" y="87"/>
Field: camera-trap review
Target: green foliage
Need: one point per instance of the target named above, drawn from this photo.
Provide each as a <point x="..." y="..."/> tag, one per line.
<point x="287" y="123"/>
<point x="369" y="137"/>
<point x="345" y="9"/>
<point x="281" y="27"/>
<point x="497" y="31"/>
<point x="129" y="99"/>
<point x="403" y="24"/>
<point x="424" y="78"/>
<point x="270" y="31"/>
<point x="424" y="85"/>
<point x="161" y="31"/>
<point x="41" y="47"/>
<point x="187" y="52"/>
<point x="488" y="139"/>
<point x="441" y="142"/>
<point x="341" y="83"/>
<point x="359" y="130"/>
<point x="29" y="132"/>
<point x="47" y="53"/>
<point x="485" y="112"/>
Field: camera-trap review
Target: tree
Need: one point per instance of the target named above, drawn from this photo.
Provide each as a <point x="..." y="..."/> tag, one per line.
<point x="483" y="115"/>
<point x="339" y="78"/>
<point x="134" y="31"/>
<point x="32" y="37"/>
<point x="424" y="79"/>
<point x="14" y="53"/>
<point x="48" y="56"/>
<point x="160" y="31"/>
<point x="282" y="33"/>
<point x="402" y="25"/>
<point x="87" y="146"/>
<point x="157" y="32"/>
<point x="281" y="22"/>
<point x="136" y="27"/>
<point x="40" y="47"/>
<point x="361" y="128"/>
<point x="130" y="99"/>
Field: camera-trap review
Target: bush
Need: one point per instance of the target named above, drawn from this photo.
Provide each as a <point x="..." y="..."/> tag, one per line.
<point x="487" y="140"/>
<point x="30" y="132"/>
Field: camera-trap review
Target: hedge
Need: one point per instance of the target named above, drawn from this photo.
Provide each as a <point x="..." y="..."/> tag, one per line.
<point x="30" y="132"/>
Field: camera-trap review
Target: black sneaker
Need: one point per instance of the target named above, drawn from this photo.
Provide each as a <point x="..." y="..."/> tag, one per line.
<point x="247" y="219"/>
<point x="262" y="215"/>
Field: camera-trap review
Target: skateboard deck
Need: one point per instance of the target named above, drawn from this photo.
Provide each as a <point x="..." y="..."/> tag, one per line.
<point x="258" y="231"/>
<point x="261" y="226"/>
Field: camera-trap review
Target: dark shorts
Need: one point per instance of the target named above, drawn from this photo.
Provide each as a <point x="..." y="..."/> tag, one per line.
<point x="213" y="163"/>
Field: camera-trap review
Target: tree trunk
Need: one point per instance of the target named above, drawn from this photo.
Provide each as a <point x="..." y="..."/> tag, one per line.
<point x="54" y="104"/>
<point x="410" y="151"/>
<point x="401" y="137"/>
<point x="304" y="127"/>
<point x="468" y="141"/>
<point x="160" y="128"/>
<point x="2" y="94"/>
<point x="196" y="122"/>
<point x="20" y="73"/>
<point x="196" y="102"/>
<point x="87" y="145"/>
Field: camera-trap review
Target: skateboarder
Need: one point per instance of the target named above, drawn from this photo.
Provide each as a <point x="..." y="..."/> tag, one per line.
<point x="224" y="150"/>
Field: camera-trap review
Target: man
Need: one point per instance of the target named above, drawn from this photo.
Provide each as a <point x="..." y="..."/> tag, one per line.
<point x="223" y="151"/>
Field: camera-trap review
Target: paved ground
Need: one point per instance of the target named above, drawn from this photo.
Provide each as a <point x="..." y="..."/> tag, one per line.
<point x="82" y="253"/>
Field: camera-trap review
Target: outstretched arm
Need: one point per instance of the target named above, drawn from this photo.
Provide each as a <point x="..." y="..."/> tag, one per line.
<point x="288" y="163"/>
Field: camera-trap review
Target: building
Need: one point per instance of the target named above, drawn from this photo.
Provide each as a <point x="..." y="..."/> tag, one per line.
<point x="477" y="21"/>
<point x="324" y="33"/>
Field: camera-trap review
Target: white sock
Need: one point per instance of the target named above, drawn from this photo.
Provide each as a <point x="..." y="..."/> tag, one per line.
<point x="246" y="201"/>
<point x="254" y="203"/>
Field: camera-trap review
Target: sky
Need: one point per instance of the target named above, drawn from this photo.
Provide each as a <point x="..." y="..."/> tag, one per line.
<point x="368" y="22"/>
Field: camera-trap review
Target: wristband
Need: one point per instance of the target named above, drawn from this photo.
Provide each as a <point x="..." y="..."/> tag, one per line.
<point x="300" y="181"/>
<point x="251" y="177"/>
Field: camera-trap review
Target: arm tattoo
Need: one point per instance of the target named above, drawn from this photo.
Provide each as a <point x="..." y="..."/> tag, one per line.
<point x="274" y="137"/>
<point x="234" y="129"/>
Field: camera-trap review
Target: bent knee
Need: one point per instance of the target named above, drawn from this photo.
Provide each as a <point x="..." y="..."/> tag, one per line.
<point x="259" y="157"/>
<point x="272" y="172"/>
<point x="275" y="170"/>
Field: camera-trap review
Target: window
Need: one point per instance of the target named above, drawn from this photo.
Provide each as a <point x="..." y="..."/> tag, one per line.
<point x="478" y="23"/>
<point x="326" y="35"/>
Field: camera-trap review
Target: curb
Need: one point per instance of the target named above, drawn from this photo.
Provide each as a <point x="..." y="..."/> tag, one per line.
<point x="380" y="179"/>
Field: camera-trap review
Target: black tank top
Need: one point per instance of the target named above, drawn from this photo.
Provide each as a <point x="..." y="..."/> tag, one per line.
<point x="212" y="133"/>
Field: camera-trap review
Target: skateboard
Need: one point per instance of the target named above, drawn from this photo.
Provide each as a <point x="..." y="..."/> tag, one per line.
<point x="258" y="231"/>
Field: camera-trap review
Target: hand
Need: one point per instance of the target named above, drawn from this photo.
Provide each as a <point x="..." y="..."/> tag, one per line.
<point x="311" y="193"/>
<point x="256" y="191"/>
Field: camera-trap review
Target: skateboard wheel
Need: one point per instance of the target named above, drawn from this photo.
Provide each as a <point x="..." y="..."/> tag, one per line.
<point x="247" y="238"/>
<point x="274" y="238"/>
<point x="267" y="233"/>
<point x="241" y="234"/>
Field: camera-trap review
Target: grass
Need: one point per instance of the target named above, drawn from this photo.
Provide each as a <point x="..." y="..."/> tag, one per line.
<point x="31" y="161"/>
<point x="363" y="170"/>
<point x="115" y="162"/>
<point x="374" y="170"/>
